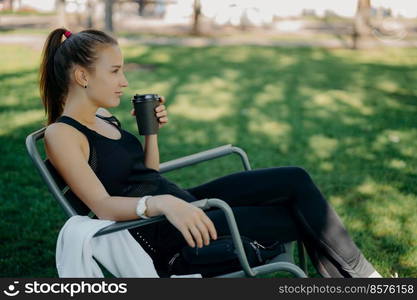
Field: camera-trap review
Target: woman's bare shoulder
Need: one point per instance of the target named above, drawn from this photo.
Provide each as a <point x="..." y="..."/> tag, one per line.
<point x="60" y="129"/>
<point x="58" y="135"/>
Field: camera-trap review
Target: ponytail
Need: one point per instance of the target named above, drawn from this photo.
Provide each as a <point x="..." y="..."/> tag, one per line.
<point x="58" y="58"/>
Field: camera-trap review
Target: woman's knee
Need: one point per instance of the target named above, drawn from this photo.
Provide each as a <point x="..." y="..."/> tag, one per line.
<point x="299" y="174"/>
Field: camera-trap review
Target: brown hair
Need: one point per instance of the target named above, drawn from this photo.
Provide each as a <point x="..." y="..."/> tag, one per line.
<point x="58" y="57"/>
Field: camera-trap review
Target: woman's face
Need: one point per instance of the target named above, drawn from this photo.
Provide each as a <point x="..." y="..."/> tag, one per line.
<point x="106" y="84"/>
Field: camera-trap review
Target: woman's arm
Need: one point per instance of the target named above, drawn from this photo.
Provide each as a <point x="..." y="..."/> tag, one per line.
<point x="63" y="148"/>
<point x="152" y="152"/>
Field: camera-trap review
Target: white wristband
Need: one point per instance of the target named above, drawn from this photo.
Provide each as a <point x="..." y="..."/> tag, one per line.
<point x="141" y="207"/>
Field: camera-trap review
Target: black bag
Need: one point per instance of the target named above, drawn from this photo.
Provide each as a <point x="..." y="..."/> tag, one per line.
<point x="220" y="257"/>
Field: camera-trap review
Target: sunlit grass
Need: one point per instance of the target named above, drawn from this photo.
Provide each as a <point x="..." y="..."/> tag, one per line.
<point x="18" y="59"/>
<point x="13" y="121"/>
<point x="347" y="117"/>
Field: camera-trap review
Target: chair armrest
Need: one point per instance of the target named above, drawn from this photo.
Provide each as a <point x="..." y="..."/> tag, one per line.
<point x="117" y="226"/>
<point x="204" y="156"/>
<point x="204" y="204"/>
<point x="141" y="222"/>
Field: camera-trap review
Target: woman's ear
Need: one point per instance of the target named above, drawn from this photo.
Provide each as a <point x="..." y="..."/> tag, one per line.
<point x="80" y="76"/>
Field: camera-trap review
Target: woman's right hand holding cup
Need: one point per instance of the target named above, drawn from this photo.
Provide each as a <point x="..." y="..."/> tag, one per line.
<point x="191" y="221"/>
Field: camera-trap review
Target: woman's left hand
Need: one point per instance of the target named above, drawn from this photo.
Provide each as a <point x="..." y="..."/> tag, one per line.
<point x="160" y="111"/>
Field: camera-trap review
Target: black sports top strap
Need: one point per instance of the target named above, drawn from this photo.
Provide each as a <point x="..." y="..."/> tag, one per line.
<point x="111" y="119"/>
<point x="74" y="123"/>
<point x="81" y="127"/>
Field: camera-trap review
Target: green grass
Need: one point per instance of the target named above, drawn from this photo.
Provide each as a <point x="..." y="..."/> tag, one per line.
<point x="25" y="13"/>
<point x="24" y="31"/>
<point x="347" y="117"/>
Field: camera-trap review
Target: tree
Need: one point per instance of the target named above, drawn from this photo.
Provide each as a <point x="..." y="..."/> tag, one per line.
<point x="90" y="13"/>
<point x="108" y="15"/>
<point x="8" y="5"/>
<point x="142" y="4"/>
<point x="196" y="17"/>
<point x="362" y="24"/>
<point x="62" y="16"/>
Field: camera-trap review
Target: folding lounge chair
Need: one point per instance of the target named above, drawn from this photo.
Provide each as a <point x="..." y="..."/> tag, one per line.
<point x="74" y="206"/>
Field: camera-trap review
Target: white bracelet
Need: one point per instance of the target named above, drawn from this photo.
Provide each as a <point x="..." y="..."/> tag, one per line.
<point x="141" y="207"/>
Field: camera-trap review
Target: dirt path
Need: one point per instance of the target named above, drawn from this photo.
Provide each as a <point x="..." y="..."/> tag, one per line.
<point x="301" y="38"/>
<point x="36" y="41"/>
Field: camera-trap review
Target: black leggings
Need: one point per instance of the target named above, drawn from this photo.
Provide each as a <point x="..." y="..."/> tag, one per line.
<point x="278" y="203"/>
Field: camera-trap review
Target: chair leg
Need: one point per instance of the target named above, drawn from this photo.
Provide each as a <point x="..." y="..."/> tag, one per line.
<point x="302" y="256"/>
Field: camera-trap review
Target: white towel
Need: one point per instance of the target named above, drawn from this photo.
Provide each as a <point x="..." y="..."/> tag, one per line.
<point x="118" y="252"/>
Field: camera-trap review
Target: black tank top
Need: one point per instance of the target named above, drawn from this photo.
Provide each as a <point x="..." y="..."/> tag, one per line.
<point x="119" y="164"/>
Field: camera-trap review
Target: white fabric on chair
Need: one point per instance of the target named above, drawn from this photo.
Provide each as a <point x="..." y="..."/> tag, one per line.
<point x="118" y="252"/>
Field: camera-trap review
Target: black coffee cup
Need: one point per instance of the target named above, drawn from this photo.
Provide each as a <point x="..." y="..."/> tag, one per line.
<point x="146" y="119"/>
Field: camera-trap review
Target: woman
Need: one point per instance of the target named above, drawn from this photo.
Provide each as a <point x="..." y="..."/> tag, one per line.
<point x="106" y="167"/>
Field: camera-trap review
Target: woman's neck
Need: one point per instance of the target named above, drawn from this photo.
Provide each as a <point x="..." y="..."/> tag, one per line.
<point x="81" y="109"/>
<point x="86" y="118"/>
